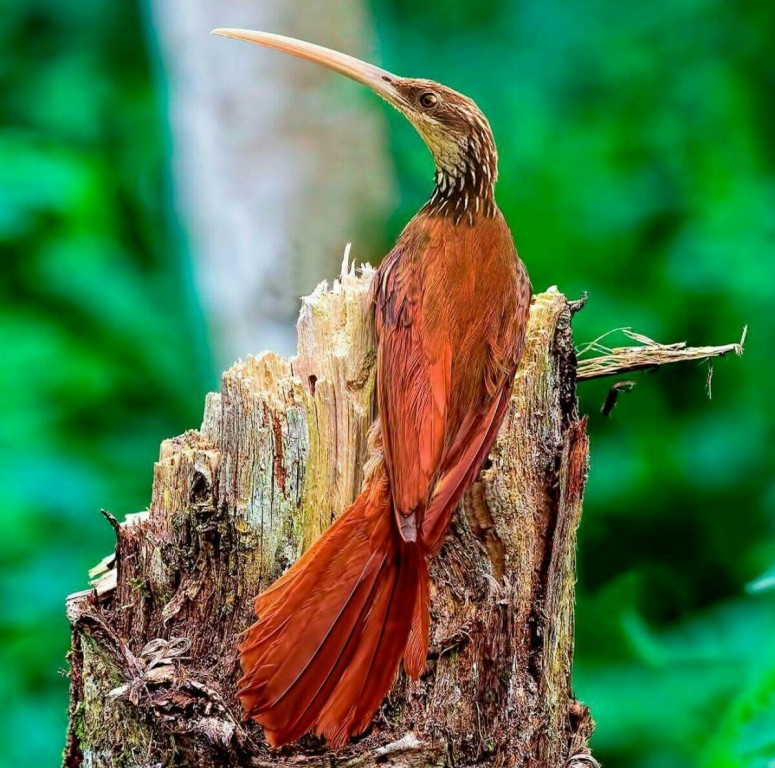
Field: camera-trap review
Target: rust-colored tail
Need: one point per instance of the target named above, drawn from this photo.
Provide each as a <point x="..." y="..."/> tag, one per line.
<point x="332" y="631"/>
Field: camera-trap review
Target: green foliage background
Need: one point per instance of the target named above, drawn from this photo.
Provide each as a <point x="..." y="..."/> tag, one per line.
<point x="102" y="346"/>
<point x="637" y="163"/>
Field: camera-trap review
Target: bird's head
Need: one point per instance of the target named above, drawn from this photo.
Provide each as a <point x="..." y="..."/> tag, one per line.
<point x="453" y="127"/>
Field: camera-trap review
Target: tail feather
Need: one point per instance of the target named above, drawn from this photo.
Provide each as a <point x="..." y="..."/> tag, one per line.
<point x="279" y="664"/>
<point x="306" y="569"/>
<point x="303" y="697"/>
<point x="416" y="653"/>
<point x="277" y="624"/>
<point x="392" y="642"/>
<point x="315" y="659"/>
<point x="368" y="677"/>
<point x="332" y="631"/>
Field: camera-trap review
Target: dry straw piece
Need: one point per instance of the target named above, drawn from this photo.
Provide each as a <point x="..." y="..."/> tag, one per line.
<point x="648" y="354"/>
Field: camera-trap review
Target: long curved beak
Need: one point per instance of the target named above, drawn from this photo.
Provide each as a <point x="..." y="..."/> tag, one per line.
<point x="379" y="80"/>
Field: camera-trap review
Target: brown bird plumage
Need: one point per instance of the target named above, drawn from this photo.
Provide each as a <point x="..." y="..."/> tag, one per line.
<point x="451" y="302"/>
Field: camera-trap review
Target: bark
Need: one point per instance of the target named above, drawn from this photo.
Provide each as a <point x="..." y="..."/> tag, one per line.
<point x="279" y="455"/>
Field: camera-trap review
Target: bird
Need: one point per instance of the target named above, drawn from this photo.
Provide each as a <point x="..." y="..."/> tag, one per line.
<point x="451" y="303"/>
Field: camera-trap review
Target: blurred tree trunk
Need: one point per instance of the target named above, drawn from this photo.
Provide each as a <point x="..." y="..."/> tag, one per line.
<point x="276" y="161"/>
<point x="279" y="455"/>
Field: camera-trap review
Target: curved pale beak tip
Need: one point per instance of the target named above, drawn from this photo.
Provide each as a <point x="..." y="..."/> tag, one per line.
<point x="237" y="34"/>
<point x="375" y="78"/>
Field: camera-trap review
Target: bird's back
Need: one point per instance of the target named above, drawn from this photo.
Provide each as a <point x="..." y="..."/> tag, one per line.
<point x="452" y="302"/>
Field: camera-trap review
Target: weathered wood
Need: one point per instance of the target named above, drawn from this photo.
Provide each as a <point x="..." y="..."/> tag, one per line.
<point x="614" y="361"/>
<point x="280" y="453"/>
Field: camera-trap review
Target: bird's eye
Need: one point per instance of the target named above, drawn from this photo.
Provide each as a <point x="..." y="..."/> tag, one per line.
<point x="429" y="100"/>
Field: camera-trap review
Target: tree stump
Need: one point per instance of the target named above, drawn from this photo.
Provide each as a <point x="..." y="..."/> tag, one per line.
<point x="280" y="453"/>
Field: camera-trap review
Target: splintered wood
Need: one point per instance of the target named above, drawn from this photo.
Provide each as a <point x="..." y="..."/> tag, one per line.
<point x="646" y="354"/>
<point x="280" y="453"/>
